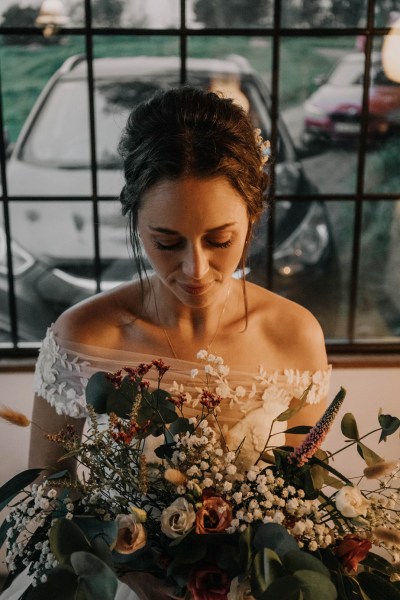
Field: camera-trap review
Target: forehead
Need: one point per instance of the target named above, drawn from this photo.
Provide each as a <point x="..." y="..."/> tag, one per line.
<point x="191" y="200"/>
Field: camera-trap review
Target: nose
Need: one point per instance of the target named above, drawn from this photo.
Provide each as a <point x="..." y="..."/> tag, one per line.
<point x="195" y="262"/>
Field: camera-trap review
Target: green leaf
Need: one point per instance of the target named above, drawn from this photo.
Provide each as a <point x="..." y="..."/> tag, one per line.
<point x="265" y="569"/>
<point x="296" y="560"/>
<point x="165" y="450"/>
<point x="377" y="587"/>
<point x="298" y="429"/>
<point x="96" y="528"/>
<point x="65" y="538"/>
<point x="349" y="426"/>
<point x="274" y="536"/>
<point x="97" y="391"/>
<point x="284" y="588"/>
<point x="389" y="426"/>
<point x="59" y="474"/>
<point x="5" y="526"/>
<point x="378" y="563"/>
<point x="95" y="577"/>
<point x="61" y="584"/>
<point x="370" y="457"/>
<point x="292" y="410"/>
<point x="16" y="484"/>
<point x="245" y="549"/>
<point x="315" y="585"/>
<point x="122" y="401"/>
<point x="181" y="425"/>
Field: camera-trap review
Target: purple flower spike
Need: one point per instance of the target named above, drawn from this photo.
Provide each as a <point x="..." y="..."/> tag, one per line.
<point x="318" y="433"/>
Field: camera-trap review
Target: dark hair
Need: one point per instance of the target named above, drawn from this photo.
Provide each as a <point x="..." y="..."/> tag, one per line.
<point x="189" y="132"/>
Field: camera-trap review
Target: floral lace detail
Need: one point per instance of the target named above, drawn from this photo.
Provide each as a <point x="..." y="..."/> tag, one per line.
<point x="59" y="378"/>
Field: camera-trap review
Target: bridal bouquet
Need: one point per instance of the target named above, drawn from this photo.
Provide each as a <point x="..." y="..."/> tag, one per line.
<point x="160" y="491"/>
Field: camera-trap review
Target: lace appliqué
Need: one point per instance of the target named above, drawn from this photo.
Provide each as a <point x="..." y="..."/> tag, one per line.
<point x="60" y="379"/>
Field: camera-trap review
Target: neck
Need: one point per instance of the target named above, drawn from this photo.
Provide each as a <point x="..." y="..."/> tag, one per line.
<point x="187" y="327"/>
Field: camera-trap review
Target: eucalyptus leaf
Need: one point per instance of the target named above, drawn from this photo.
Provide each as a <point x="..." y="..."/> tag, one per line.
<point x="16" y="484"/>
<point x="181" y="425"/>
<point x="5" y="526"/>
<point x="58" y="475"/>
<point x="61" y="584"/>
<point x="96" y="528"/>
<point x="266" y="567"/>
<point x="377" y="587"/>
<point x="389" y="426"/>
<point x="370" y="457"/>
<point x="274" y="536"/>
<point x="378" y="563"/>
<point x="284" y="588"/>
<point x="97" y="391"/>
<point x="122" y="401"/>
<point x="245" y="549"/>
<point x="65" y="538"/>
<point x="349" y="426"/>
<point x="295" y="560"/>
<point x="96" y="578"/>
<point x="315" y="585"/>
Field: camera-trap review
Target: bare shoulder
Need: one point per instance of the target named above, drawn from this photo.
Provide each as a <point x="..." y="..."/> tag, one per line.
<point x="291" y="329"/>
<point x="99" y="320"/>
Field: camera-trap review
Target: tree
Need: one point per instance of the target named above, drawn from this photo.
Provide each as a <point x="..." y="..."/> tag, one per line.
<point x="107" y="13"/>
<point x="15" y="16"/>
<point x="235" y="13"/>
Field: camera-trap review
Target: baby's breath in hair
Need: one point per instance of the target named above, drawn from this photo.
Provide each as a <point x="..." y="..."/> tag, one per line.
<point x="264" y="147"/>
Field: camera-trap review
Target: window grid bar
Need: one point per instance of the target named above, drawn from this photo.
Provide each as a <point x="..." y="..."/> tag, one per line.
<point x="92" y="131"/>
<point x="357" y="231"/>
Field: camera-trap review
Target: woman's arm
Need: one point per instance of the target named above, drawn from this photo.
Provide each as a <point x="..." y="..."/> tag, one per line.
<point x="42" y="452"/>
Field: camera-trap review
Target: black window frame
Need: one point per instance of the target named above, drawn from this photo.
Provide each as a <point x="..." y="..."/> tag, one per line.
<point x="275" y="33"/>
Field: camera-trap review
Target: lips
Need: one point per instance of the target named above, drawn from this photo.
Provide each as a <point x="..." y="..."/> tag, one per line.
<point x="195" y="290"/>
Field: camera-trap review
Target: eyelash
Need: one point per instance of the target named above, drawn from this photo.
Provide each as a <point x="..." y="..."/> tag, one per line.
<point x="178" y="245"/>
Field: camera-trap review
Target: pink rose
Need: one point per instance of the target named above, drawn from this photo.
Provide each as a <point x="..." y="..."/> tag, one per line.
<point x="214" y="516"/>
<point x="209" y="582"/>
<point x="131" y="535"/>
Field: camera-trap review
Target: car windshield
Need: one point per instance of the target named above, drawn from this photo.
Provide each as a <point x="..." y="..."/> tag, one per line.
<point x="60" y="136"/>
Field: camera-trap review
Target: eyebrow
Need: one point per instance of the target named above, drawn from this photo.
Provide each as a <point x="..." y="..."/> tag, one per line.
<point x="173" y="232"/>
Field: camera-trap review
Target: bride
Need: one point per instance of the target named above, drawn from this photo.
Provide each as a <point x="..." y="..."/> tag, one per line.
<point x="194" y="189"/>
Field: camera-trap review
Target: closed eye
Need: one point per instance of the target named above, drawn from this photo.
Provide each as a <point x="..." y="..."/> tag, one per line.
<point x="180" y="244"/>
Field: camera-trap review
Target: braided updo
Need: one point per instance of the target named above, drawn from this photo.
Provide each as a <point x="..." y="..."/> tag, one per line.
<point x="187" y="132"/>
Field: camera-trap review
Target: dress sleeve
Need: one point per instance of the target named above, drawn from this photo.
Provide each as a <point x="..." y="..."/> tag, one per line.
<point x="61" y="378"/>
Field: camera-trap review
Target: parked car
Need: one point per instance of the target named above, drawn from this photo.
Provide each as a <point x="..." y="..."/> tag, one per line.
<point x="333" y="111"/>
<point x="53" y="240"/>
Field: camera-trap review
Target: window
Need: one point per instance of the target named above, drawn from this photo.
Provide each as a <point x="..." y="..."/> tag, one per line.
<point x="311" y="76"/>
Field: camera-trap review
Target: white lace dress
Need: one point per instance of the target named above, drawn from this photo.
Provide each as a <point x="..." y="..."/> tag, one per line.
<point x="249" y="400"/>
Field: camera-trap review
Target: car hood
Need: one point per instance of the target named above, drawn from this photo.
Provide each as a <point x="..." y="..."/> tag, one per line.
<point x="332" y="97"/>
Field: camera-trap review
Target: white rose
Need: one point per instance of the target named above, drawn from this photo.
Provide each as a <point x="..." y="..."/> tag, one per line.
<point x="350" y="502"/>
<point x="178" y="518"/>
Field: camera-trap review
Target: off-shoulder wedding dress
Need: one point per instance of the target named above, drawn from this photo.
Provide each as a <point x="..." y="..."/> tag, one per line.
<point x="249" y="401"/>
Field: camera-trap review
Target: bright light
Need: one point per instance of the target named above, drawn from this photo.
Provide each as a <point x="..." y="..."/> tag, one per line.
<point x="391" y="53"/>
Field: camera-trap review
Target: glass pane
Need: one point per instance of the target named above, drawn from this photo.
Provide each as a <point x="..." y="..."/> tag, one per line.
<point x="229" y="13"/>
<point x="378" y="309"/>
<point x="386" y="13"/>
<point x="53" y="247"/>
<point x="127" y="71"/>
<point x="336" y="13"/>
<point x="382" y="165"/>
<point x="52" y="146"/>
<point x="320" y="101"/>
<point x="151" y="14"/>
<point x="117" y="262"/>
<point x="312" y="248"/>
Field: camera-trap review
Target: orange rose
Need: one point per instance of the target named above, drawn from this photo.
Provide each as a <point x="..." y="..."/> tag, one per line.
<point x="214" y="516"/>
<point x="208" y="582"/>
<point x="131" y="535"/>
<point x="351" y="550"/>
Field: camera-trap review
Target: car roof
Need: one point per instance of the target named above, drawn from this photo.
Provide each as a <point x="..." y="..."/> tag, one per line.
<point x="76" y="66"/>
<point x="358" y="58"/>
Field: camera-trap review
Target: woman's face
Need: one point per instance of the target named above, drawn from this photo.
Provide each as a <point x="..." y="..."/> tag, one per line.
<point x="193" y="232"/>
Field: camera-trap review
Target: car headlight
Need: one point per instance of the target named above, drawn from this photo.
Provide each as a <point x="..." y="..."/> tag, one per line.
<point x="314" y="110"/>
<point x="21" y="259"/>
<point x="306" y="245"/>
